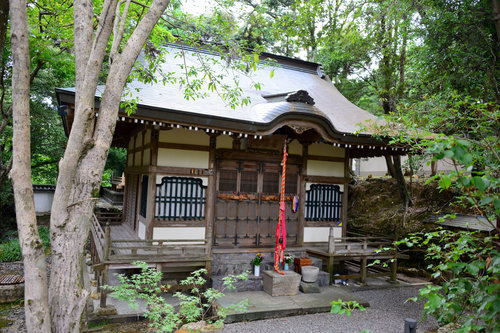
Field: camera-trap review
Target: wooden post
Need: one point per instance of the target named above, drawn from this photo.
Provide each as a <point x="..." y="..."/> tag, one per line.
<point x="107" y="243"/>
<point x="363" y="270"/>
<point x="330" y="267"/>
<point x="104" y="281"/>
<point x="331" y="242"/>
<point x="346" y="193"/>
<point x="211" y="200"/>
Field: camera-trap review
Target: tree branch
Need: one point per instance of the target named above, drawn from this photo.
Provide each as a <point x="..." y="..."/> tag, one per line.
<point x="118" y="32"/>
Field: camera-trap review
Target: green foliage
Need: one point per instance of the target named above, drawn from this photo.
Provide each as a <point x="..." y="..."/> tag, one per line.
<point x="257" y="260"/>
<point x="469" y="266"/>
<point x="117" y="160"/>
<point x="342" y="307"/>
<point x="10" y="249"/>
<point x="198" y="304"/>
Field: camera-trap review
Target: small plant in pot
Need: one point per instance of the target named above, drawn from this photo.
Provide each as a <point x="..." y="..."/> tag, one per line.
<point x="288" y="260"/>
<point x="256" y="263"/>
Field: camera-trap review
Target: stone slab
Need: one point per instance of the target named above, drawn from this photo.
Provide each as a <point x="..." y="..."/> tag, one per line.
<point x="276" y="284"/>
<point x="323" y="279"/>
<point x="254" y="283"/>
<point x="264" y="306"/>
<point x="309" y="287"/>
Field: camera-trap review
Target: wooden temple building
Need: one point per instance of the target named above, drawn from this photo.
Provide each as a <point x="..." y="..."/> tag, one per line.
<point x="202" y="179"/>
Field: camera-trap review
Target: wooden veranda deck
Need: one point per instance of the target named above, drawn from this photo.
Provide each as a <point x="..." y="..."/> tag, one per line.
<point x="362" y="248"/>
<point x="117" y="246"/>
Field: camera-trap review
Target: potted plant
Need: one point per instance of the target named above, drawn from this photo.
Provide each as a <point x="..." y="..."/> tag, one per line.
<point x="256" y="263"/>
<point x="288" y="261"/>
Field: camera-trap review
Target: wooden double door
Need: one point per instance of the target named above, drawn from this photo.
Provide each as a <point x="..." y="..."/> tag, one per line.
<point x="247" y="203"/>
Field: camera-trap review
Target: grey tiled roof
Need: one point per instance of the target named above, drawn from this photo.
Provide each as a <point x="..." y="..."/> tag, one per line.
<point x="331" y="109"/>
<point x="467" y="222"/>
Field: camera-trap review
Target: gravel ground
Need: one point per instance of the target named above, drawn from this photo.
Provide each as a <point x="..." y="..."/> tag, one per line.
<point x="386" y="314"/>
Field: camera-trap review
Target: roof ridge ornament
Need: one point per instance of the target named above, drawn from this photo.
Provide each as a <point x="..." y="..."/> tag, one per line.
<point x="300" y="96"/>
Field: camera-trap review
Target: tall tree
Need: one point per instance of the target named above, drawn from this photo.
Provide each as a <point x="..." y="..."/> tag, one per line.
<point x="35" y="296"/>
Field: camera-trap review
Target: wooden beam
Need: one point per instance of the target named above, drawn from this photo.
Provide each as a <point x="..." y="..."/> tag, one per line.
<point x="326" y="158"/>
<point x="260" y="156"/>
<point x="326" y="179"/>
<point x="183" y="146"/>
<point x="175" y="171"/>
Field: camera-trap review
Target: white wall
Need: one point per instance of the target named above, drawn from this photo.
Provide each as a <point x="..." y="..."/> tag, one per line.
<point x="183" y="158"/>
<point x="325" y="168"/>
<point x="322" y="149"/>
<point x="376" y="166"/>
<point x="184" y="136"/>
<point x="184" y="233"/>
<point x="320" y="234"/>
<point x="43" y="201"/>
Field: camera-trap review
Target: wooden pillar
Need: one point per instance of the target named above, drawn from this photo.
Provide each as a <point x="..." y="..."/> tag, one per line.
<point x="331" y="252"/>
<point x="330" y="267"/>
<point x="104" y="281"/>
<point x="211" y="196"/>
<point x="331" y="242"/>
<point x="346" y="193"/>
<point x="150" y="207"/>
<point x="302" y="193"/>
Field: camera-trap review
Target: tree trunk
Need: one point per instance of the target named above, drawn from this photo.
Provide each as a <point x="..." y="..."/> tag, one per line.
<point x="495" y="5"/>
<point x="390" y="166"/>
<point x="83" y="163"/>
<point x="403" y="191"/>
<point x="35" y="272"/>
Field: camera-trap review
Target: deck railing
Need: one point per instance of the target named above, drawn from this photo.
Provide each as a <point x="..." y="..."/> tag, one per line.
<point x="105" y="249"/>
<point x="360" y="243"/>
<point x="159" y="249"/>
<point x="98" y="241"/>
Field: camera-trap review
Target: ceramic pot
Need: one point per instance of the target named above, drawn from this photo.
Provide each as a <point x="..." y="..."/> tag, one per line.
<point x="285" y="267"/>
<point x="256" y="270"/>
<point x="310" y="273"/>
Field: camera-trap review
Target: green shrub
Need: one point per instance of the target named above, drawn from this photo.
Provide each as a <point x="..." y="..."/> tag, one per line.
<point x="10" y="250"/>
<point x="198" y="304"/>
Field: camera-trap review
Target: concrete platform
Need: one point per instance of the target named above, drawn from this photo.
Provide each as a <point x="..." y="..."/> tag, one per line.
<point x="264" y="306"/>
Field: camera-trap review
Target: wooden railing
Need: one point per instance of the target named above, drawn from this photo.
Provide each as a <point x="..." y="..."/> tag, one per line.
<point x="356" y="244"/>
<point x="98" y="241"/>
<point x="157" y="249"/>
<point x="105" y="249"/>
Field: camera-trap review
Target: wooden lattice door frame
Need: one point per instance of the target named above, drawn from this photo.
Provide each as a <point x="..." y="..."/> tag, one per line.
<point x="247" y="203"/>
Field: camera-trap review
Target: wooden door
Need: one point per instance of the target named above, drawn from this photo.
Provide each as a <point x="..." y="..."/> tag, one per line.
<point x="247" y="204"/>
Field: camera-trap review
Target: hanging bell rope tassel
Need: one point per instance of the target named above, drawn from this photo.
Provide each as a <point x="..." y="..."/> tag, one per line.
<point x="279" y="251"/>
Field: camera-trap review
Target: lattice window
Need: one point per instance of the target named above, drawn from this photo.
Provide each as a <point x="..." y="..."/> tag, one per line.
<point x="323" y="203"/>
<point x="248" y="181"/>
<point x="271" y="182"/>
<point x="180" y="198"/>
<point x="228" y="180"/>
<point x="291" y="183"/>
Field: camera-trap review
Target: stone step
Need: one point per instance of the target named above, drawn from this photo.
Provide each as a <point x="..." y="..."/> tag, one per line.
<point x="254" y="283"/>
